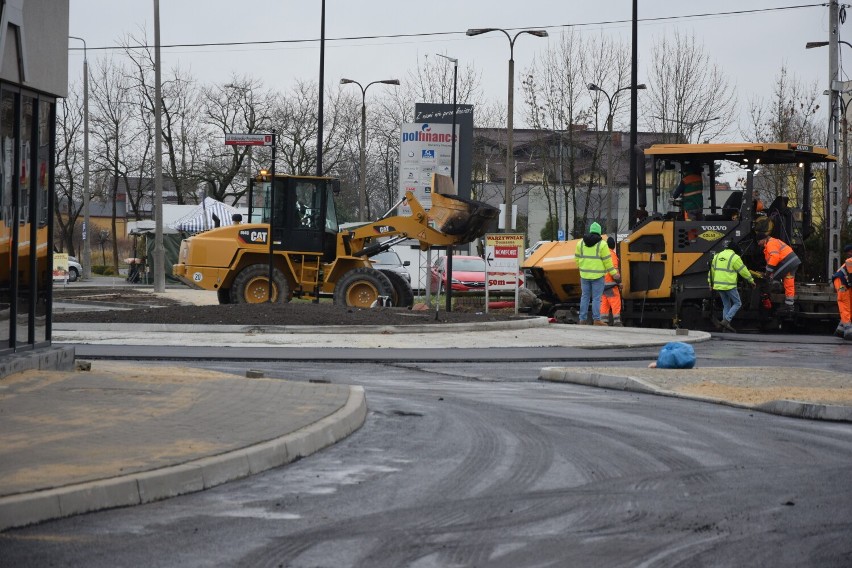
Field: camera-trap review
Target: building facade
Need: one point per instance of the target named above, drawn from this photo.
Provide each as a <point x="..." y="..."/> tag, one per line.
<point x="33" y="75"/>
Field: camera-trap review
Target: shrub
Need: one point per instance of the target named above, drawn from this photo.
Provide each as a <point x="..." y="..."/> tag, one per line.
<point x="103" y="270"/>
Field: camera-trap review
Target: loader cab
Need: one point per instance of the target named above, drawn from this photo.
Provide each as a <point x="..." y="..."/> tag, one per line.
<point x="300" y="210"/>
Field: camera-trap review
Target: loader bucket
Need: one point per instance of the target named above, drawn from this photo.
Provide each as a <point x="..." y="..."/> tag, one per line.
<point x="462" y="218"/>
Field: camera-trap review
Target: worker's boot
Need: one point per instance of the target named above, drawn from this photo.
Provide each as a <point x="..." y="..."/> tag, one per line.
<point x="841" y="329"/>
<point x="601" y="322"/>
<point x="847" y="335"/>
<point x="616" y="321"/>
<point x="727" y="325"/>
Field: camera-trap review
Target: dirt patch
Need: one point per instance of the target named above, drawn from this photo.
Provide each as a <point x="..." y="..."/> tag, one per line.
<point x="141" y="307"/>
<point x="753" y="396"/>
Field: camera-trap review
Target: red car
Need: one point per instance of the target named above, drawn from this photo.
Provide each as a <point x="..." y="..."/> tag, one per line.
<point x="469" y="276"/>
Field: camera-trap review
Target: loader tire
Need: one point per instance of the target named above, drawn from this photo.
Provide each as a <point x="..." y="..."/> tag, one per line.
<point x="251" y="286"/>
<point x="224" y="295"/>
<point x="362" y="287"/>
<point x="403" y="295"/>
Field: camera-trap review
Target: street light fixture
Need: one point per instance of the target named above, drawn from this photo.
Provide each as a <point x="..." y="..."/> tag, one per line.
<point x="362" y="193"/>
<point x="87" y="241"/>
<point x="507" y="197"/>
<point x="609" y="118"/>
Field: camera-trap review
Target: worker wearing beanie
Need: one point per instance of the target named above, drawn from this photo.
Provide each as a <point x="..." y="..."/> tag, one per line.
<point x="593" y="261"/>
<point x="842" y="281"/>
<point x="611" y="298"/>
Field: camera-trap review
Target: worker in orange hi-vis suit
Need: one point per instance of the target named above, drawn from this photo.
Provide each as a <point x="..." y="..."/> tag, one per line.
<point x="781" y="262"/>
<point x="842" y="281"/>
<point x="611" y="298"/>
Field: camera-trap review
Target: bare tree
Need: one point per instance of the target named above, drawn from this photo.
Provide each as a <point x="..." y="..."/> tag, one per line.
<point x="180" y="115"/>
<point x="244" y="106"/>
<point x="688" y="95"/>
<point x="114" y="130"/>
<point x="788" y="116"/>
<point x="607" y="76"/>
<point x="68" y="198"/>
<point x="554" y="91"/>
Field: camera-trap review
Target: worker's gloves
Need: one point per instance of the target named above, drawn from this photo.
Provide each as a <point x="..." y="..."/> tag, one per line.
<point x="842" y="289"/>
<point x="617" y="278"/>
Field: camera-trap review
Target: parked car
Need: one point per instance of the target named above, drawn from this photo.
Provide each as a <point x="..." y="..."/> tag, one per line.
<point x="389" y="260"/>
<point x="75" y="269"/>
<point x="469" y="276"/>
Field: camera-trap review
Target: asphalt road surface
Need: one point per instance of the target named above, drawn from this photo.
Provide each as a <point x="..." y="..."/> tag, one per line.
<point x="479" y="464"/>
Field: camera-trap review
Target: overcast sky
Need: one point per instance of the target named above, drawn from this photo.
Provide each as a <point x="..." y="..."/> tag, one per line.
<point x="749" y="39"/>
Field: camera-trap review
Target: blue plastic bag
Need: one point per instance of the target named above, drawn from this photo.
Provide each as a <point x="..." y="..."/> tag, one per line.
<point x="676" y="355"/>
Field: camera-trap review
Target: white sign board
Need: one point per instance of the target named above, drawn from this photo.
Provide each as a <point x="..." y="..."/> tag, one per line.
<point x="504" y="252"/>
<point x="425" y="149"/>
<point x="232" y="139"/>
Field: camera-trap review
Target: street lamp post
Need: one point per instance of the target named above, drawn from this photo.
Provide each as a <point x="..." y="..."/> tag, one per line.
<point x="835" y="213"/>
<point x="609" y="118"/>
<point x="507" y="196"/>
<point x="455" y="63"/>
<point x="159" y="249"/>
<point x="87" y="242"/>
<point x="362" y="192"/>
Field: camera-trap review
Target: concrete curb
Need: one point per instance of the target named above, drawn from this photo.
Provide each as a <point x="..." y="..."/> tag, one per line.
<point x="26" y="509"/>
<point x="525" y="323"/>
<point x="790" y="408"/>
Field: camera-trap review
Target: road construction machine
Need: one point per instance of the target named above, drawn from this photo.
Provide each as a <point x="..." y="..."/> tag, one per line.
<point x="296" y="248"/>
<point x="665" y="257"/>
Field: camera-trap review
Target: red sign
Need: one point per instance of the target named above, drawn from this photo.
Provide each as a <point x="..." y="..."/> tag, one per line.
<point x="505" y="252"/>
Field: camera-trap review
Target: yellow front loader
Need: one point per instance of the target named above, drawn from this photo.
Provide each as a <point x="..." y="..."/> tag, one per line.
<point x="298" y="247"/>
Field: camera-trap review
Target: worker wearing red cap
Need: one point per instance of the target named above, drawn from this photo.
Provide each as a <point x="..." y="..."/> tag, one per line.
<point x="611" y="298"/>
<point x="781" y="264"/>
<point x="842" y="281"/>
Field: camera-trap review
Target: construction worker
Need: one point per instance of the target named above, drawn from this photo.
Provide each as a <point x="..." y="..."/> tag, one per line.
<point x="842" y="281"/>
<point x="725" y="268"/>
<point x="593" y="261"/>
<point x="781" y="263"/>
<point x="691" y="191"/>
<point x="611" y="298"/>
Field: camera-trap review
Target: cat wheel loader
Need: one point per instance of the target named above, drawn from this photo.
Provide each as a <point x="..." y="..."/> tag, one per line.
<point x="297" y="249"/>
<point x="665" y="258"/>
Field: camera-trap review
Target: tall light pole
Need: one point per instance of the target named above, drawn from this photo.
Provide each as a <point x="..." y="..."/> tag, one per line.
<point x="159" y="250"/>
<point x="455" y="63"/>
<point x="87" y="241"/>
<point x="609" y="117"/>
<point x="510" y="150"/>
<point x="362" y="191"/>
<point x="835" y="214"/>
